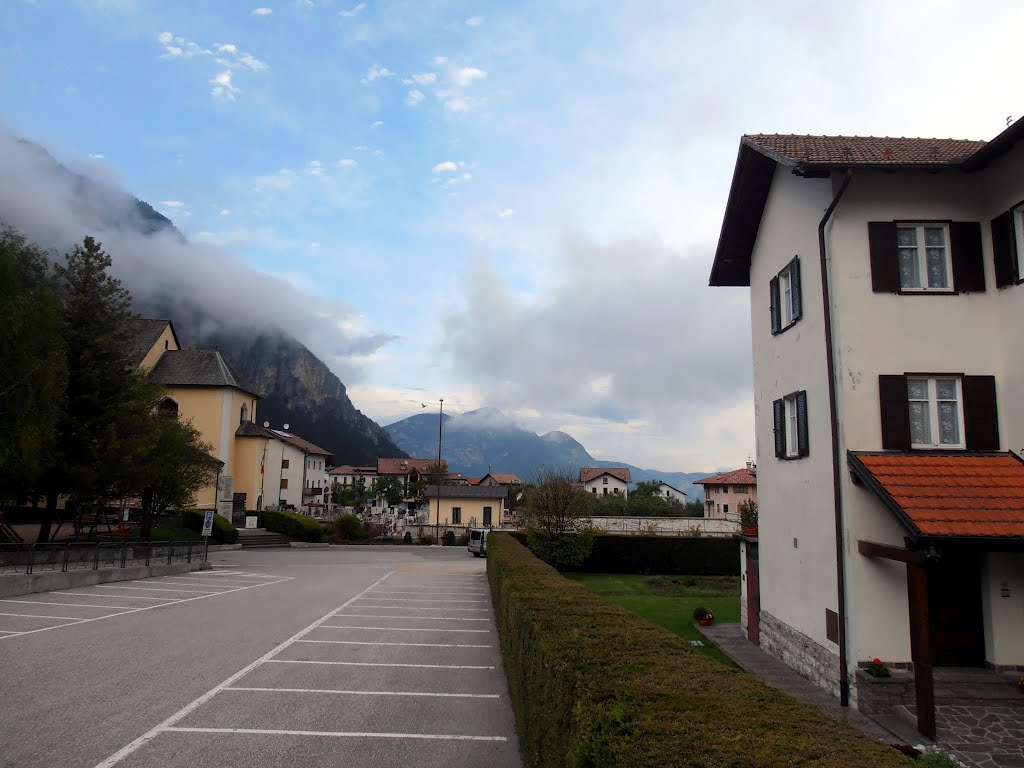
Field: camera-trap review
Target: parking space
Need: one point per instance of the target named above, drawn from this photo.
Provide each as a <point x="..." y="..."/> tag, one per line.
<point x="407" y="671"/>
<point x="43" y="611"/>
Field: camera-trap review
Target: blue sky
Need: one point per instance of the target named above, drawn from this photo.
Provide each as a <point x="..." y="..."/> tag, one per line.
<point x="516" y="203"/>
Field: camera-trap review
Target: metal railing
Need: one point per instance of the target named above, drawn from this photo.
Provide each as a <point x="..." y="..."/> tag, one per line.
<point x="74" y="556"/>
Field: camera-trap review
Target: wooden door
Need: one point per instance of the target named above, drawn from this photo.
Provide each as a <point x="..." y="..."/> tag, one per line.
<point x="954" y="607"/>
<point x="753" y="595"/>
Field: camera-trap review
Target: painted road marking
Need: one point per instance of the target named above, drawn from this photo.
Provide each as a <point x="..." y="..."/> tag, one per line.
<point x="339" y="734"/>
<point x="42" y="616"/>
<point x="423" y="618"/>
<point x="404" y="645"/>
<point x="403" y="629"/>
<point x="370" y="693"/>
<point x="375" y="664"/>
<point x="51" y="602"/>
<point x="418" y="600"/>
<point x="122" y="610"/>
<point x="154" y="589"/>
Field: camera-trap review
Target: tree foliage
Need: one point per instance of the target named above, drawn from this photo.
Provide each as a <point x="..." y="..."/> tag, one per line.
<point x="389" y="488"/>
<point x="32" y="368"/>
<point x="558" y="526"/>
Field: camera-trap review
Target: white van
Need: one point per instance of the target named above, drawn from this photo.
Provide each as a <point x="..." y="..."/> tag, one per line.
<point x="478" y="542"/>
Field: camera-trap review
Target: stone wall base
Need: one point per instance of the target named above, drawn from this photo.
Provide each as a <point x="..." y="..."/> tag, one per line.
<point x="815" y="662"/>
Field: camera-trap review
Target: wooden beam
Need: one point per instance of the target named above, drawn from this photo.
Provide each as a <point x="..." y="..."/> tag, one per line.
<point x="920" y="648"/>
<point x="889" y="552"/>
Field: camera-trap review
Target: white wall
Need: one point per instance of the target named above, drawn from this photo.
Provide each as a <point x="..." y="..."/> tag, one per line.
<point x="796" y="523"/>
<point x="671" y="494"/>
<point x="666" y="526"/>
<point x="612" y="484"/>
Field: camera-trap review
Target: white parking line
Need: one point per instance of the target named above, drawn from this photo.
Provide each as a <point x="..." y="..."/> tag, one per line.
<point x="404" y="629"/>
<point x="154" y="589"/>
<point x="125" y="610"/>
<point x="167" y="724"/>
<point x="42" y="616"/>
<point x="404" y="645"/>
<point x="50" y="602"/>
<point x="369" y="693"/>
<point x="339" y="734"/>
<point x="417" y="600"/>
<point x="374" y="664"/>
<point x="109" y="596"/>
<point x="424" y="618"/>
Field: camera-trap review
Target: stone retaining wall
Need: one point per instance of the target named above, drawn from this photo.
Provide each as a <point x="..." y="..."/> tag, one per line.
<point x="815" y="662"/>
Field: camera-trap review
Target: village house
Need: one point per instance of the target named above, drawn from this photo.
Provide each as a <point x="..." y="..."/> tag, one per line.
<point x="603" y="481"/>
<point x="465" y="506"/>
<point x="723" y="493"/>
<point x="885" y="289"/>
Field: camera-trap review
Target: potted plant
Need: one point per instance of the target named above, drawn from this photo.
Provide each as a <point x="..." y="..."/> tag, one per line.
<point x="703" y="616"/>
<point x="877" y="669"/>
<point x="748" y="517"/>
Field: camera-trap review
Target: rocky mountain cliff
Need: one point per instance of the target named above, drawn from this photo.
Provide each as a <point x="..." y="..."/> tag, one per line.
<point x="486" y="440"/>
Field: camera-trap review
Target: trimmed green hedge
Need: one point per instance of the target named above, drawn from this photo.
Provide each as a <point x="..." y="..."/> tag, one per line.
<point x="290" y="524"/>
<point x="223" y="531"/>
<point x="692" y="555"/>
<point x="595" y="685"/>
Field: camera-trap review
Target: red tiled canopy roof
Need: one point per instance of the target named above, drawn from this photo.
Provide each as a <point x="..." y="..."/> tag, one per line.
<point x="735" y="477"/>
<point x="592" y="473"/>
<point x="948" y="495"/>
<point x="864" y="150"/>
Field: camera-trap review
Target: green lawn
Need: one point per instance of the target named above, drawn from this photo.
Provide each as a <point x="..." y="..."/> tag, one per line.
<point x="668" y="601"/>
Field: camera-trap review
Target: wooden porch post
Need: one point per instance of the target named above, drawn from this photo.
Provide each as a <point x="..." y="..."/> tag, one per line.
<point x="920" y="648"/>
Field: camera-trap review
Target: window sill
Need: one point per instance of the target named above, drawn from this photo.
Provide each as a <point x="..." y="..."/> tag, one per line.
<point x="915" y="447"/>
<point x="785" y="328"/>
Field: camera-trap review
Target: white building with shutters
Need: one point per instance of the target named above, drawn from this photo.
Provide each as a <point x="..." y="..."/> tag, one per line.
<point x="885" y="414"/>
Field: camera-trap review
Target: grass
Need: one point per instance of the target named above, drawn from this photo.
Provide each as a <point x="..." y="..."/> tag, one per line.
<point x="175" y="533"/>
<point x="668" y="601"/>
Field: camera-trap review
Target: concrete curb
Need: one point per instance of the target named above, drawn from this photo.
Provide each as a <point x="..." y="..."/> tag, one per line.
<point x="224" y="547"/>
<point x="45" y="581"/>
<point x="309" y="544"/>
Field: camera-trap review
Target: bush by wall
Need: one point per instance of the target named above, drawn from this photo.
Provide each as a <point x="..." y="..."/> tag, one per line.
<point x="692" y="555"/>
<point x="595" y="685"/>
<point x="223" y="531"/>
<point x="290" y="524"/>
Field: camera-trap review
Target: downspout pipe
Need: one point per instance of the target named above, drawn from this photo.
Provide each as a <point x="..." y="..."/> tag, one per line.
<point x="826" y="300"/>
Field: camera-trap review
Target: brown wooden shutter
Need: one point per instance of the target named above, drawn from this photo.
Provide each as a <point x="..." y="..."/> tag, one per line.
<point x="981" y="415"/>
<point x="885" y="261"/>
<point x="779" y="415"/>
<point x="895" y="410"/>
<point x="965" y="249"/>
<point x="1004" y="250"/>
<point x="802" y="445"/>
<point x="773" y="305"/>
<point x="794" y="287"/>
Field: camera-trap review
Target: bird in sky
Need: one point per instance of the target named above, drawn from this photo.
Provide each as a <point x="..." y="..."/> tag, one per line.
<point x="423" y="404"/>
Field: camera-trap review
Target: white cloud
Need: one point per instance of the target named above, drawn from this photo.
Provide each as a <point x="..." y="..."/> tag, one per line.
<point x="506" y="213"/>
<point x="315" y="168"/>
<point x="377" y="72"/>
<point x="456" y="102"/>
<point x="354" y="10"/>
<point x="439" y="60"/>
<point x="227" y="48"/>
<point x="445" y="167"/>
<point x="262" y="11"/>
<point x="175" y="204"/>
<point x="465" y="76"/>
<point x="347" y="162"/>
<point x="414" y="97"/>
<point x="474" y="21"/>
<point x="421" y="78"/>
<point x="96" y="157"/>
<point x="223" y="88"/>
<point x="376" y="123"/>
<point x="225" y="212"/>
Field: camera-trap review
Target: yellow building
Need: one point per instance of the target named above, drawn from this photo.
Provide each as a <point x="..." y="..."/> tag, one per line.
<point x="465" y="506"/>
<point x="204" y="389"/>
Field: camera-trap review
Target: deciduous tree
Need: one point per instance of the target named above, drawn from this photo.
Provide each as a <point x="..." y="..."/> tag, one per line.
<point x="558" y="528"/>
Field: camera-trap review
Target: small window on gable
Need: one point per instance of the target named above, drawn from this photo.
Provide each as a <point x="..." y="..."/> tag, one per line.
<point x="167" y="344"/>
<point x="604" y="480"/>
<point x="785" y="299"/>
<point x="790" y="425"/>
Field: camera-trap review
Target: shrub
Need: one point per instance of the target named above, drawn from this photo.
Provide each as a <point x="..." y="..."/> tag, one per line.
<point x="463" y="539"/>
<point x="426" y="538"/>
<point x="223" y="531"/>
<point x="407" y="539"/>
<point x="448" y="539"/>
<point x="595" y="685"/>
<point x="349" y="528"/>
<point x="290" y="524"/>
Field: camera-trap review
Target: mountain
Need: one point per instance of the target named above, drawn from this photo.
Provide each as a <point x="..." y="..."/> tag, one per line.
<point x="486" y="440"/>
<point x="55" y="206"/>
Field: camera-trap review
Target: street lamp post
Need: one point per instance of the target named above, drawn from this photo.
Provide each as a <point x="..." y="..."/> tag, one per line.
<point x="437" y="519"/>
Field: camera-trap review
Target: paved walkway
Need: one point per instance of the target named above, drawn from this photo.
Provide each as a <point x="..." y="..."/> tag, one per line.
<point x="981" y="737"/>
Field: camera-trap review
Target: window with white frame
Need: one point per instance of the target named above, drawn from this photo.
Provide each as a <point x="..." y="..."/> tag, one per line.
<point x="936" y="415"/>
<point x="784" y="297"/>
<point x="789" y="404"/>
<point x="925" y="263"/>
<point x="456" y="515"/>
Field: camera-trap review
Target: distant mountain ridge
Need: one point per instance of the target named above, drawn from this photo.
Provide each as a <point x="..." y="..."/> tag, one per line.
<point x="486" y="440"/>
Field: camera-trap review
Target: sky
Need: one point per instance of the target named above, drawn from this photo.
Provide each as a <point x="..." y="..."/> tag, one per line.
<point x="512" y="205"/>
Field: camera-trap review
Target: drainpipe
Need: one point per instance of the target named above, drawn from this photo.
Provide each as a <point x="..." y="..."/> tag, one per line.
<point x="826" y="299"/>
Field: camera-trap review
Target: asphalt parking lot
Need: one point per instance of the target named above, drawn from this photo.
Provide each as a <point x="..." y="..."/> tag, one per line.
<point x="345" y="656"/>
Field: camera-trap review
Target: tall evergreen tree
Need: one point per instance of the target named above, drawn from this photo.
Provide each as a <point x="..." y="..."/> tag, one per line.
<point x="32" y="369"/>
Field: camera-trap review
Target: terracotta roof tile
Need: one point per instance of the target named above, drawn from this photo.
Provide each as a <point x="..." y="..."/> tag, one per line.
<point x="592" y="473"/>
<point x="952" y="495"/>
<point x="864" y="150"/>
<point x="734" y="477"/>
<point x="403" y="466"/>
<point x="504" y="478"/>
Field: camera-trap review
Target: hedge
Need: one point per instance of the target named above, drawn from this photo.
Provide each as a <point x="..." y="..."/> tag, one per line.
<point x="692" y="555"/>
<point x="595" y="685"/>
<point x="223" y="531"/>
<point x="290" y="524"/>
